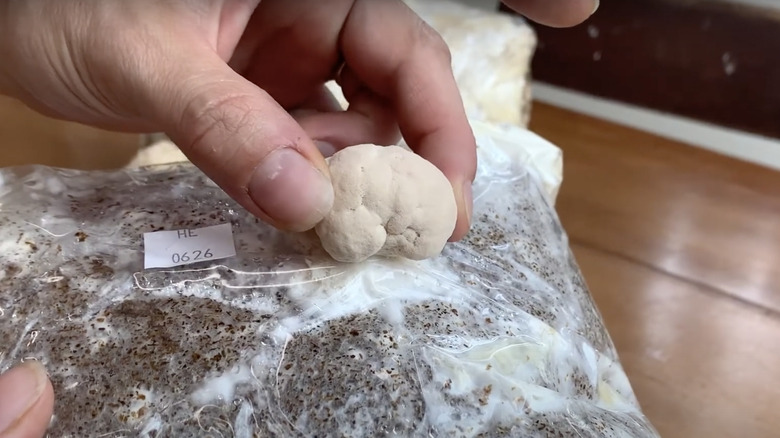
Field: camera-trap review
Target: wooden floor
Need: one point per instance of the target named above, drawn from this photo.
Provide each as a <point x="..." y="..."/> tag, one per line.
<point x="681" y="249"/>
<point x="27" y="137"/>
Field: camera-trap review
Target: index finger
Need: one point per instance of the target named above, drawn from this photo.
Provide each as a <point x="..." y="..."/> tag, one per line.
<point x="397" y="55"/>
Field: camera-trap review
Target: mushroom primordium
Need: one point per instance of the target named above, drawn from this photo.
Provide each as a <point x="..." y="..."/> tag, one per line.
<point x="389" y="202"/>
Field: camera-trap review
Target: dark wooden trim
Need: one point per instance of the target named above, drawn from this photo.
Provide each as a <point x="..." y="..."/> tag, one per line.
<point x="705" y="60"/>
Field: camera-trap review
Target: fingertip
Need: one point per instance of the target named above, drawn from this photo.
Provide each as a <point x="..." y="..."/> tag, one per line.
<point x="26" y="401"/>
<point x="560" y="14"/>
<point x="291" y="190"/>
<point x="44" y="410"/>
<point x="315" y="152"/>
<point x="465" y="201"/>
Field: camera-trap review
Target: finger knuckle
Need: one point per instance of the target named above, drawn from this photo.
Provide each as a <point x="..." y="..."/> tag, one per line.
<point x="434" y="42"/>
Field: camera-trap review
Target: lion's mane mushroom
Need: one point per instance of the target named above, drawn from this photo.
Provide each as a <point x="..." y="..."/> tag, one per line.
<point x="389" y="202"/>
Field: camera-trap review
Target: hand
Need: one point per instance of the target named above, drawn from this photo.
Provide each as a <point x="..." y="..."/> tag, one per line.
<point x="222" y="78"/>
<point x="238" y="85"/>
<point x="26" y="401"/>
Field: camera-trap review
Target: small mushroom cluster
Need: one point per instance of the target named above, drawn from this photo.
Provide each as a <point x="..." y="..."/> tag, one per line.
<point x="389" y="202"/>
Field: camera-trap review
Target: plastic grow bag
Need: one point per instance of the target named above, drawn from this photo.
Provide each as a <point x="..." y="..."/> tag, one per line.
<point x="496" y="337"/>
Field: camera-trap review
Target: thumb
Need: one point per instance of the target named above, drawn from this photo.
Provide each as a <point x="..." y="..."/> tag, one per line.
<point x="26" y="401"/>
<point x="243" y="140"/>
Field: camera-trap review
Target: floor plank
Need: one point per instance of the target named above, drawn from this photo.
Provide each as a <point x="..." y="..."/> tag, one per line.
<point x="688" y="212"/>
<point x="680" y="248"/>
<point x="702" y="365"/>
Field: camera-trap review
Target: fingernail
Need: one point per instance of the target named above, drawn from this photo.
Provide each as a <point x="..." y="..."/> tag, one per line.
<point x="20" y="388"/>
<point x="595" y="6"/>
<point x="326" y="149"/>
<point x="468" y="198"/>
<point x="289" y="189"/>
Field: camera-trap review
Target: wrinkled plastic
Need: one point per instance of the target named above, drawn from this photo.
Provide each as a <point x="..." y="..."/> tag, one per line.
<point x="496" y="337"/>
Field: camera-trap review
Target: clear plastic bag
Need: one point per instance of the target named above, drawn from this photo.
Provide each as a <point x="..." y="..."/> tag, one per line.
<point x="497" y="337"/>
<point x="491" y="57"/>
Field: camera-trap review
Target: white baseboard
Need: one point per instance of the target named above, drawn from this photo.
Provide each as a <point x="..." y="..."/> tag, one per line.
<point x="741" y="145"/>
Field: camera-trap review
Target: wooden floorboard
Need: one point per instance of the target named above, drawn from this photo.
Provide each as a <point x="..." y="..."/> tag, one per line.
<point x="686" y="211"/>
<point x="680" y="248"/>
<point x="26" y="137"/>
<point x="701" y="366"/>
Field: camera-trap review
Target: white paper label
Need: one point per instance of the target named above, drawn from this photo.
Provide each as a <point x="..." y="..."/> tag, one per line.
<point x="165" y="249"/>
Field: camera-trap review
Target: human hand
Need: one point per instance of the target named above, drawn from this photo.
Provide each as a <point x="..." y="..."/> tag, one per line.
<point x="555" y="13"/>
<point x="26" y="401"/>
<point x="239" y="86"/>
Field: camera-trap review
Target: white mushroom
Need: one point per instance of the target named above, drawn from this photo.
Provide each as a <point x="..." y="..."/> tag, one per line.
<point x="388" y="201"/>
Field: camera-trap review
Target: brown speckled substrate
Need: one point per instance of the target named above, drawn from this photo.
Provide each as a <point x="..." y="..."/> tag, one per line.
<point x="498" y="337"/>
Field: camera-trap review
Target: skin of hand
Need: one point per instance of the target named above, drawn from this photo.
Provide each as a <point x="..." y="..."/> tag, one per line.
<point x="239" y="86"/>
<point x="26" y="401"/>
<point x="555" y="13"/>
